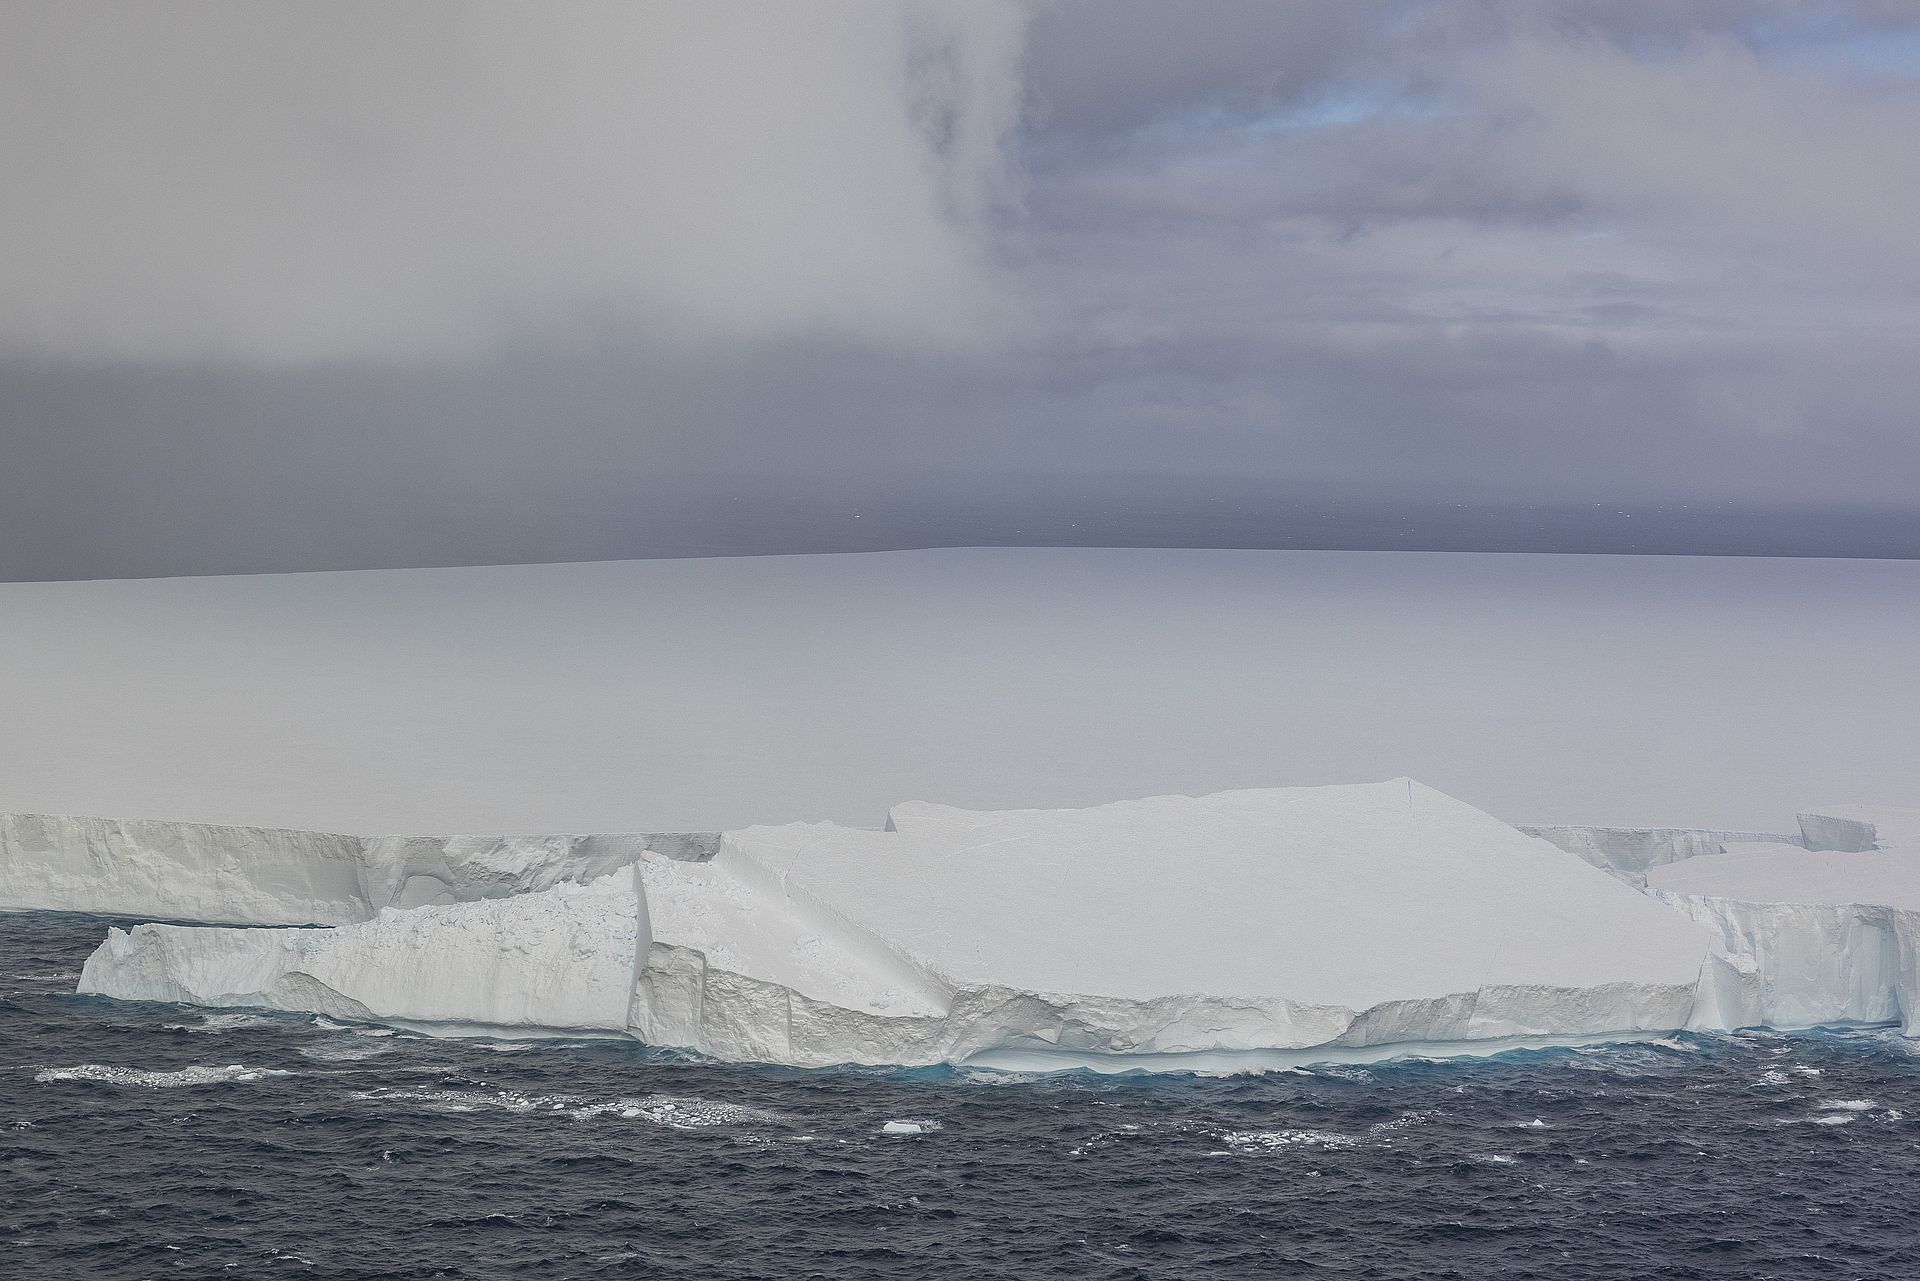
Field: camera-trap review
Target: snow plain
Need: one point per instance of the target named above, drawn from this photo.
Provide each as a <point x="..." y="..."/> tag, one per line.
<point x="703" y="695"/>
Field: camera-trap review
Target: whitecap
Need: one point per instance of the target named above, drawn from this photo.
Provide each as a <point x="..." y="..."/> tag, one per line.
<point x="995" y="1076"/>
<point x="1340" y="1073"/>
<point x="217" y="1023"/>
<point x="1847" y="1105"/>
<point x="326" y="1024"/>
<point x="345" y="1051"/>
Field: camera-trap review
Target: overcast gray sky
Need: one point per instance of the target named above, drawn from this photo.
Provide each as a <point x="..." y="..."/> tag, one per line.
<point x="297" y="286"/>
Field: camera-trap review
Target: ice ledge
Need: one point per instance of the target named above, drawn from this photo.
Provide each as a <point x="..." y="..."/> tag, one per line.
<point x="560" y="960"/>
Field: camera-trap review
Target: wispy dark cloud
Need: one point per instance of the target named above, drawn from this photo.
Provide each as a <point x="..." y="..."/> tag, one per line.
<point x="292" y="286"/>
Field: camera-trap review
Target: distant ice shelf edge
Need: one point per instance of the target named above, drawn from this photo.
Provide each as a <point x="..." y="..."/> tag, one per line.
<point x="1242" y="931"/>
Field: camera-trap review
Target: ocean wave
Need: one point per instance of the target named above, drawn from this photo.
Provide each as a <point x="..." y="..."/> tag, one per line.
<point x="217" y="1023"/>
<point x="346" y="1050"/>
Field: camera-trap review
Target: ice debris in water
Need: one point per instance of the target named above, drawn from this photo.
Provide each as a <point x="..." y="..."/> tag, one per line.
<point x="155" y="1080"/>
<point x="673" y="1112"/>
<point x="911" y="1127"/>
<point x="1272" y="1140"/>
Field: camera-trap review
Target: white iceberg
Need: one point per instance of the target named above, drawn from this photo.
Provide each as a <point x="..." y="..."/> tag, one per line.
<point x="555" y="961"/>
<point x="1243" y="929"/>
<point x="1830" y="935"/>
<point x="1238" y="931"/>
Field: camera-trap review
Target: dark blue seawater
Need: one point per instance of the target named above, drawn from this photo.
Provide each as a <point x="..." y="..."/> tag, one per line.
<point x="158" y="1141"/>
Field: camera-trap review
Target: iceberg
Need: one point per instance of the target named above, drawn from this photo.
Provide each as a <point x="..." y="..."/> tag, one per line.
<point x="1244" y="929"/>
<point x="221" y="874"/>
<point x="1829" y="930"/>
<point x="1238" y="931"/>
<point x="556" y="961"/>
<point x="1241" y="930"/>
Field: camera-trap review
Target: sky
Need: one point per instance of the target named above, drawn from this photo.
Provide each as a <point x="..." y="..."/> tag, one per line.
<point x="289" y="286"/>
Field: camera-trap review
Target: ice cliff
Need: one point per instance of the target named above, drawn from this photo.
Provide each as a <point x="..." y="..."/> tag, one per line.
<point x="1242" y="930"/>
<point x="1826" y="934"/>
<point x="558" y="960"/>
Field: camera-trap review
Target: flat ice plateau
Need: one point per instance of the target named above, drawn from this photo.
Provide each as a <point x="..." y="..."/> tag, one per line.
<point x="1242" y="930"/>
<point x="706" y="695"/>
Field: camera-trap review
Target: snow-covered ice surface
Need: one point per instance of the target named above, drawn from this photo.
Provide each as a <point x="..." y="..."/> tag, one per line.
<point x="1346" y="896"/>
<point x="557" y="960"/>
<point x="703" y="695"/>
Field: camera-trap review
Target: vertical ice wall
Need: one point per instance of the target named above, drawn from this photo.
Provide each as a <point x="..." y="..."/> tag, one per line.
<point x="554" y="961"/>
